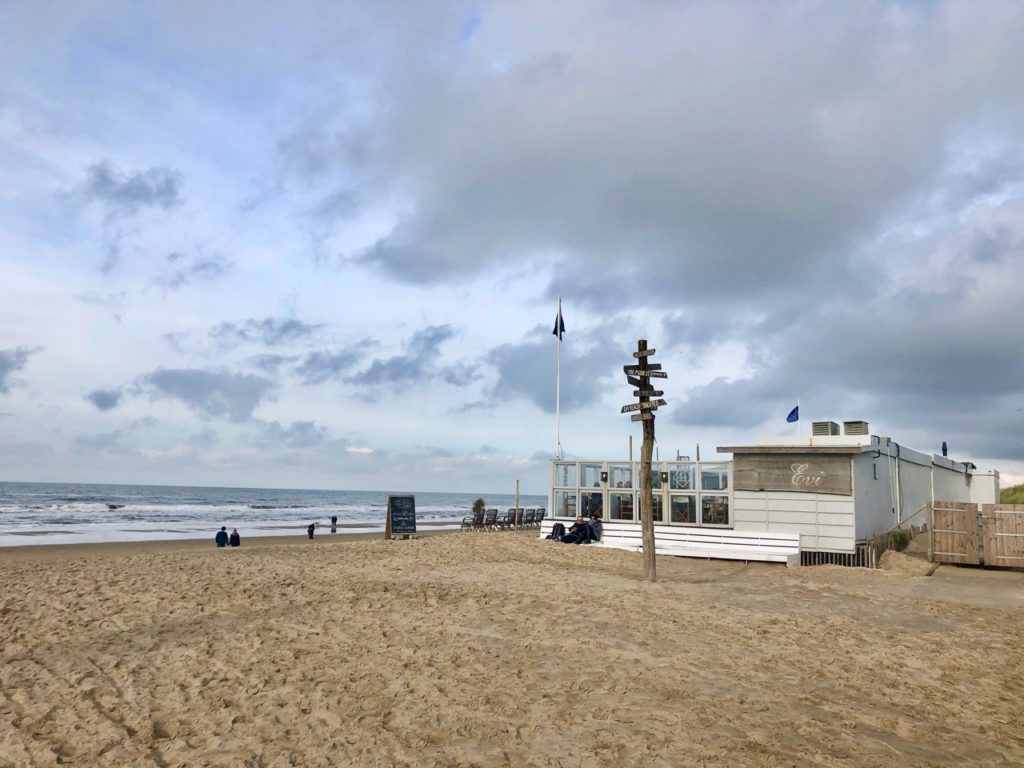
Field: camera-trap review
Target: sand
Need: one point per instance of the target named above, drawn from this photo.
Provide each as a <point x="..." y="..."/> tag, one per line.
<point x="491" y="649"/>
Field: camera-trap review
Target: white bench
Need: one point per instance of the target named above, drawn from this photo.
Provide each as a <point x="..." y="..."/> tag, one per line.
<point x="716" y="543"/>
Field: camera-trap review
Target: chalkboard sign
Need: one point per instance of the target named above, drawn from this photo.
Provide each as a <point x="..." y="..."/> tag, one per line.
<point x="401" y="515"/>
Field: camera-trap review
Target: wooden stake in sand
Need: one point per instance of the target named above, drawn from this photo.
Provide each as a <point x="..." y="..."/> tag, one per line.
<point x="639" y="375"/>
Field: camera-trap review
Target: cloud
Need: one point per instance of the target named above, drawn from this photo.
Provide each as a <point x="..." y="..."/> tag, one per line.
<point x="125" y="192"/>
<point x="199" y="270"/>
<point x="298" y="434"/>
<point x="217" y="394"/>
<point x="105" y="399"/>
<point x="588" y="364"/>
<point x="421" y="353"/>
<point x="13" y="360"/>
<point x="318" y="367"/>
<point x="270" y="331"/>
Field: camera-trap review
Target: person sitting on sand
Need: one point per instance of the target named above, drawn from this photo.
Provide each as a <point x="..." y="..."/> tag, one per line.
<point x="594" y="529"/>
<point x="576" y="532"/>
<point x="221" y="539"/>
<point x="234" y="540"/>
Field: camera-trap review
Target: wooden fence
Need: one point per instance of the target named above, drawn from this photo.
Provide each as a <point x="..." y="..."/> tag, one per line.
<point x="1004" y="534"/>
<point x="961" y="536"/>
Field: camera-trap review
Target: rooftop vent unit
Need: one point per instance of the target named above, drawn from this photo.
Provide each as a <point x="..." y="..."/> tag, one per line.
<point x="824" y="428"/>
<point x="855" y="428"/>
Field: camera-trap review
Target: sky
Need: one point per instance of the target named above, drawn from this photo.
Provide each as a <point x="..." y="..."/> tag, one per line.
<point x="321" y="244"/>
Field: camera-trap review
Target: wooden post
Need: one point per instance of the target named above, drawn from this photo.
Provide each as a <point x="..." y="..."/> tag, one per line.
<point x="646" y="494"/>
<point x="639" y="375"/>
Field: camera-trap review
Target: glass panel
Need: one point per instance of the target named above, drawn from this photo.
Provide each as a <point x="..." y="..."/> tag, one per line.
<point x="682" y="477"/>
<point x="592" y="503"/>
<point x="620" y="476"/>
<point x="621" y="506"/>
<point x="714" y="477"/>
<point x="659" y="512"/>
<point x="656" y="479"/>
<point x="684" y="509"/>
<point x="565" y="504"/>
<point x="590" y="475"/>
<point x="714" y="510"/>
<point x="565" y="475"/>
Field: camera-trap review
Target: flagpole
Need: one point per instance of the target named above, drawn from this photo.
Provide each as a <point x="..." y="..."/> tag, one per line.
<point x="558" y="381"/>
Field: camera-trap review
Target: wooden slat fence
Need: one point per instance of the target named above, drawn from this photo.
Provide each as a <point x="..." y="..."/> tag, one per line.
<point x="954" y="533"/>
<point x="1004" y="534"/>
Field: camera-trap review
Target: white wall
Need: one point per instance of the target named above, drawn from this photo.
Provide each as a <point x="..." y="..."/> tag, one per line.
<point x="824" y="521"/>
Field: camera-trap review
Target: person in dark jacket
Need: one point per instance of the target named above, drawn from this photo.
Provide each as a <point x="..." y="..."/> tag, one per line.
<point x="576" y="532"/>
<point x="234" y="539"/>
<point x="221" y="539"/>
<point x="594" y="529"/>
<point x="309" y="531"/>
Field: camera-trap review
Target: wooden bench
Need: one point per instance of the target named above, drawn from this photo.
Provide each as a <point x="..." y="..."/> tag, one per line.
<point x="711" y="543"/>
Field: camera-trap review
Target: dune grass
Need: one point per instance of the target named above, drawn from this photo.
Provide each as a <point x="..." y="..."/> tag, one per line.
<point x="1012" y="495"/>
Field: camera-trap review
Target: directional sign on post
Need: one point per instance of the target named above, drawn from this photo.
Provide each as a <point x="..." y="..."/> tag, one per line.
<point x="633" y="381"/>
<point x="645" y="416"/>
<point x="648" y="406"/>
<point x="644" y="372"/>
<point x="648" y="367"/>
<point x="644" y="353"/>
<point x="647" y="392"/>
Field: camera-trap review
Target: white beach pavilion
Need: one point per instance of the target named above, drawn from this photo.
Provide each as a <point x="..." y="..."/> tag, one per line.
<point x="791" y="499"/>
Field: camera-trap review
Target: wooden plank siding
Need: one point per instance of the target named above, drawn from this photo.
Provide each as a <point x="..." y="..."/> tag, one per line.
<point x="1004" y="534"/>
<point x="823" y="522"/>
<point x="954" y="533"/>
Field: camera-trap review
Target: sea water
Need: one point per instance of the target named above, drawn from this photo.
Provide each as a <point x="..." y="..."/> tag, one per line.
<point x="65" y="513"/>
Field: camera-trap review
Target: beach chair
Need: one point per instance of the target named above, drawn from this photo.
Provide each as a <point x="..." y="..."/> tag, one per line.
<point x="473" y="521"/>
<point x="490" y="519"/>
<point x="505" y="519"/>
<point x="526" y="517"/>
<point x="539" y="516"/>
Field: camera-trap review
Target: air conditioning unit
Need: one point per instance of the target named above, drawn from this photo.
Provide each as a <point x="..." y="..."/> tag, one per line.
<point x="824" y="428"/>
<point x="855" y="428"/>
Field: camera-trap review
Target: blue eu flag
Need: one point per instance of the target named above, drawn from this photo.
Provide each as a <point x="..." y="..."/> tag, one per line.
<point x="794" y="415"/>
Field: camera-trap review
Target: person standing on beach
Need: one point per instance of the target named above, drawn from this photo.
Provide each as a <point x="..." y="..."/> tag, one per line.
<point x="309" y="531"/>
<point x="334" y="523"/>
<point x="221" y="539"/>
<point x="234" y="540"/>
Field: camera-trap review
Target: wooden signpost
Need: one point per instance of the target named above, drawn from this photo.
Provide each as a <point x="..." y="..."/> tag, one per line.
<point x="639" y="375"/>
<point x="401" y="519"/>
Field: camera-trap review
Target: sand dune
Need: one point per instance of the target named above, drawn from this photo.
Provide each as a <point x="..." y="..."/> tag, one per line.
<point x="499" y="650"/>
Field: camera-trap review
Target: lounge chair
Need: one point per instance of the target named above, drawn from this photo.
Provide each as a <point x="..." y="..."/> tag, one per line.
<point x="506" y="519"/>
<point x="539" y="518"/>
<point x="473" y="520"/>
<point x="490" y="519"/>
<point x="526" y="517"/>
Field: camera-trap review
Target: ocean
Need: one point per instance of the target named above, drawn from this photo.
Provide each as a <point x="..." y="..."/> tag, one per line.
<point x="68" y="513"/>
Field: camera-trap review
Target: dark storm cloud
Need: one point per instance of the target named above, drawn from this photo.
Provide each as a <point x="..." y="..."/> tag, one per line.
<point x="217" y="394"/>
<point x="798" y="134"/>
<point x="199" y="270"/>
<point x="418" y="361"/>
<point x="13" y="360"/>
<point x="125" y="192"/>
<point x="270" y="331"/>
<point x="105" y="399"/>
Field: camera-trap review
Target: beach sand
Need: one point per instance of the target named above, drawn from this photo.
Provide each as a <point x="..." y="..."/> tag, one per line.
<point x="494" y="649"/>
